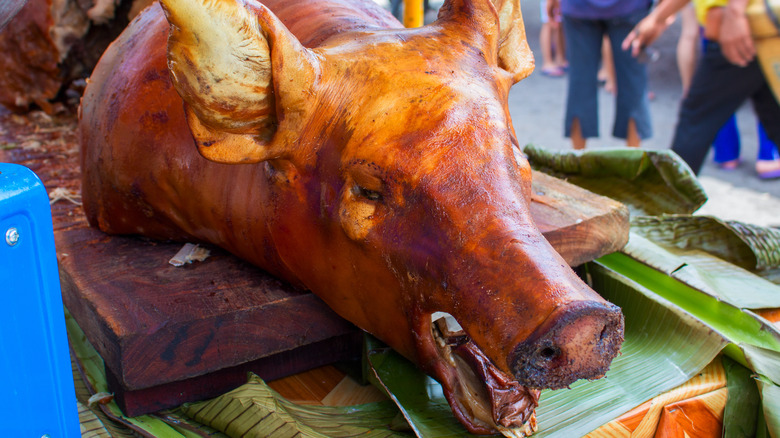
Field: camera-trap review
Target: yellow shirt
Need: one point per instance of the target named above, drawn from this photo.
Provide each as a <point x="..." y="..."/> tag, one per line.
<point x="702" y="6"/>
<point x="761" y="25"/>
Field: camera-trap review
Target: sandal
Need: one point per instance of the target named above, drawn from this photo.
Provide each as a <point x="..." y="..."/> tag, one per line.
<point x="553" y="72"/>
<point x="728" y="165"/>
<point x="768" y="169"/>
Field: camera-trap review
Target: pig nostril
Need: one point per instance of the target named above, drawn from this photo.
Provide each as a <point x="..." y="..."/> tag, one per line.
<point x="548" y="353"/>
<point x="604" y="334"/>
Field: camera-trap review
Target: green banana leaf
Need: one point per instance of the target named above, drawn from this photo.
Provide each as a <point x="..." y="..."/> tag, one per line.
<point x="648" y="182"/>
<point x="740" y="417"/>
<point x="736" y="325"/>
<point x="419" y="397"/>
<point x="753" y="342"/>
<point x="706" y="273"/>
<point x="762" y="430"/>
<point x="750" y="247"/>
<point x="766" y="364"/>
<point x="255" y="410"/>
<point x="770" y="395"/>
<point x="660" y="341"/>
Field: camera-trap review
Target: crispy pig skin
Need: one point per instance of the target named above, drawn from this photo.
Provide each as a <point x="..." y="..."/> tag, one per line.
<point x="375" y="166"/>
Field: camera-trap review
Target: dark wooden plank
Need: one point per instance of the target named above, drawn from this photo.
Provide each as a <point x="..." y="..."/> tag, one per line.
<point x="300" y="360"/>
<point x="579" y="224"/>
<point x="154" y="323"/>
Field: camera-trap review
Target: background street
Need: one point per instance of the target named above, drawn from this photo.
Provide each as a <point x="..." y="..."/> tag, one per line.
<point x="537" y="106"/>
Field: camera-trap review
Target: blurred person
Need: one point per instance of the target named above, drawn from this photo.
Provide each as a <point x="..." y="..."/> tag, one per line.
<point x="726" y="75"/>
<point x="727" y="146"/>
<point x="585" y="23"/>
<point x="727" y="142"/>
<point x="551" y="40"/>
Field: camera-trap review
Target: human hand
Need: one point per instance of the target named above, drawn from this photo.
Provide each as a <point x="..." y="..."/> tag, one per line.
<point x="735" y="40"/>
<point x="644" y="33"/>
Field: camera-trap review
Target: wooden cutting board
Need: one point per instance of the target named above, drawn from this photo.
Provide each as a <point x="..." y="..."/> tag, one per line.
<point x="173" y="334"/>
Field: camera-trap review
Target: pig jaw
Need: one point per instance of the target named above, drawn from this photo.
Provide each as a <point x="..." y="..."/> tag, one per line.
<point x="483" y="398"/>
<point x="578" y="340"/>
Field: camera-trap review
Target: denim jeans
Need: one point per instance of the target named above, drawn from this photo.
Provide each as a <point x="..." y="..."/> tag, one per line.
<point x="583" y="48"/>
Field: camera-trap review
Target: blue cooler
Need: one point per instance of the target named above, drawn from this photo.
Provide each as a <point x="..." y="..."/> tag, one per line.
<point x="37" y="398"/>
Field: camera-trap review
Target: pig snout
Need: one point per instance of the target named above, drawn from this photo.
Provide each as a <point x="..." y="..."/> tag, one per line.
<point x="577" y="341"/>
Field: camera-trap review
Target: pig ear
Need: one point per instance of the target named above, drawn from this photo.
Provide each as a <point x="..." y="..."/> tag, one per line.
<point x="510" y="45"/>
<point x="223" y="56"/>
<point x="514" y="55"/>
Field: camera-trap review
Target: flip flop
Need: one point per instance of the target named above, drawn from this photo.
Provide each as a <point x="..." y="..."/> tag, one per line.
<point x="728" y="165"/>
<point x="771" y="174"/>
<point x="553" y="72"/>
<point x="768" y="169"/>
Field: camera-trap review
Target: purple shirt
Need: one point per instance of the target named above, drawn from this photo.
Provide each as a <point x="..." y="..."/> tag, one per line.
<point x="602" y="9"/>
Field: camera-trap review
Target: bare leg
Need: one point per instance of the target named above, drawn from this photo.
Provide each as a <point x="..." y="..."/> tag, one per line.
<point x="687" y="46"/>
<point x="607" y="72"/>
<point x="546" y="37"/>
<point x="632" y="139"/>
<point x="577" y="140"/>
<point x="768" y="162"/>
<point x="545" y="41"/>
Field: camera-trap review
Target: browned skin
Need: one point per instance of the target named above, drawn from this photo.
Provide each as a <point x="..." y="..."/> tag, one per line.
<point x="388" y="181"/>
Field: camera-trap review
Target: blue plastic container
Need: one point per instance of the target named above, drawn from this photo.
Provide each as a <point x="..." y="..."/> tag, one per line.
<point x="36" y="382"/>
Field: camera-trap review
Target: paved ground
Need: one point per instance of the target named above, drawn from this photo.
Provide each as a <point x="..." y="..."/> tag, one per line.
<point x="537" y="106"/>
<point x="539" y="102"/>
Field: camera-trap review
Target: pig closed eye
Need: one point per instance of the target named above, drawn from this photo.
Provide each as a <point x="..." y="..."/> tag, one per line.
<point x="370" y="195"/>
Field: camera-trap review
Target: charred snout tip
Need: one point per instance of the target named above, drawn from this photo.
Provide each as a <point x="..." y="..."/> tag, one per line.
<point x="578" y="341"/>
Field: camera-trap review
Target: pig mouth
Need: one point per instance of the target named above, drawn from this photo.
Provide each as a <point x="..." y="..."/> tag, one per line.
<point x="482" y="397"/>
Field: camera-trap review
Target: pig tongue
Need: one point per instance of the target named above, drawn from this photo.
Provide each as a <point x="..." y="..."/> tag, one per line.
<point x="493" y="397"/>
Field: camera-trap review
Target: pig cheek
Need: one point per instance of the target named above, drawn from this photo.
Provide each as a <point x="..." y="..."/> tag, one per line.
<point x="523" y="169"/>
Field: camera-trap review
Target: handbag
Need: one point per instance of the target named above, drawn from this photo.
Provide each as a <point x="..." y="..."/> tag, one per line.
<point x="765" y="27"/>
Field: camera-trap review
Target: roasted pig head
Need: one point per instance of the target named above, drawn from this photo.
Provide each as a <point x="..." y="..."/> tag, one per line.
<point x="375" y="166"/>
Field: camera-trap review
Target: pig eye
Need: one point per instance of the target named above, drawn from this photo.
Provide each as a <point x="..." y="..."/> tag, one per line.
<point x="371" y="195"/>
